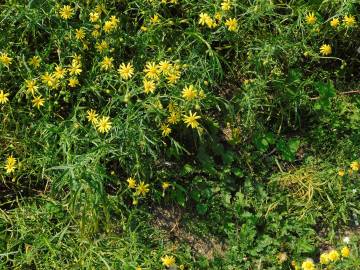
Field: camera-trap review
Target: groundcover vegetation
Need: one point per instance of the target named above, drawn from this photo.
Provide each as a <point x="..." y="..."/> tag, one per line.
<point x="180" y="134"/>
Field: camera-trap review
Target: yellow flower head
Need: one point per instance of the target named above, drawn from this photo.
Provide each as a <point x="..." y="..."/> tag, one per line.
<point x="168" y="261"/>
<point x="355" y="165"/>
<point x="310" y="18"/>
<point x="191" y="120"/>
<point x="334" y="255"/>
<point x="31" y="86"/>
<point x="38" y="102"/>
<point x="131" y="182"/>
<point x="173" y="118"/>
<point x="345" y="252"/>
<point x="149" y="86"/>
<point x="107" y="63"/>
<point x="165" y="185"/>
<point x="94" y="16"/>
<point x="349" y="20"/>
<point x="142" y="189"/>
<point x="126" y="71"/>
<point x="152" y="70"/>
<point x="35" y="61"/>
<point x="166" y="130"/>
<point x="226" y="5"/>
<point x="308" y="265"/>
<point x="155" y="19"/>
<point x="324" y="258"/>
<point x="66" y="12"/>
<point x="104" y="124"/>
<point x="79" y="34"/>
<point x="341" y="172"/>
<point x="189" y="93"/>
<point x="59" y="72"/>
<point x="92" y="116"/>
<point x="231" y="24"/>
<point x="3" y="97"/>
<point x="10" y="164"/>
<point x="325" y="49"/>
<point x="165" y="67"/>
<point x="5" y="59"/>
<point x="335" y="22"/>
<point x="73" y="82"/>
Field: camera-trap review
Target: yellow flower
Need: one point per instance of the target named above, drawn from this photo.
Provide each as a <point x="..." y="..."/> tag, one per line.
<point x="104" y="124"/>
<point x="108" y="26"/>
<point x="38" y="102"/>
<point x="131" y="182"/>
<point x="335" y="22"/>
<point x="48" y="79"/>
<point x="152" y="70"/>
<point x="3" y="97"/>
<point x="165" y="67"/>
<point x="355" y="166"/>
<point x="95" y="33"/>
<point x="5" y="59"/>
<point x="205" y="19"/>
<point x="173" y="118"/>
<point x="308" y="265"/>
<point x="101" y="46"/>
<point x="226" y="5"/>
<point x="168" y="261"/>
<point x="35" y="61"/>
<point x="325" y="49"/>
<point x="135" y="202"/>
<point x="155" y="19"/>
<point x="142" y="189"/>
<point x="92" y="116"/>
<point x="60" y="72"/>
<point x="94" y="16"/>
<point x="334" y="255"/>
<point x="189" y="93"/>
<point x="115" y="21"/>
<point x="231" y="24"/>
<point x="345" y="252"/>
<point x="349" y="20"/>
<point x="165" y="185"/>
<point x="138" y="268"/>
<point x="66" y="12"/>
<point x="165" y="130"/>
<point x="75" y="68"/>
<point x="10" y="164"/>
<point x="143" y="28"/>
<point x="149" y="86"/>
<point x="126" y="71"/>
<point x="73" y="82"/>
<point x="31" y="86"/>
<point x="341" y="172"/>
<point x="324" y="258"/>
<point x="191" y="120"/>
<point x="107" y="63"/>
<point x="79" y="34"/>
<point x="310" y="18"/>
<point x="173" y="77"/>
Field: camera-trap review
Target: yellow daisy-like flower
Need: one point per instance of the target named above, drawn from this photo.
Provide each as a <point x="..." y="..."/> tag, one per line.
<point x="66" y="12"/>
<point x="166" y="130"/>
<point x="152" y="70"/>
<point x="131" y="182"/>
<point x="308" y="265"/>
<point x="142" y="189"/>
<point x="165" y="67"/>
<point x="341" y="172"/>
<point x="107" y="63"/>
<point x="173" y="118"/>
<point x="60" y="72"/>
<point x="173" y="77"/>
<point x="205" y="19"/>
<point x="349" y="20"/>
<point x="335" y="22"/>
<point x="324" y="258"/>
<point x="5" y="59"/>
<point x="100" y="47"/>
<point x="355" y="165"/>
<point x="48" y="79"/>
<point x="325" y="49"/>
<point x="3" y="97"/>
<point x="334" y="255"/>
<point x="168" y="261"/>
<point x="226" y="5"/>
<point x="231" y="24"/>
<point x="126" y="71"/>
<point x="108" y="26"/>
<point x="94" y="16"/>
<point x="10" y="164"/>
<point x="165" y="185"/>
<point x="149" y="86"/>
<point x="31" y="86"/>
<point x="155" y="19"/>
<point x="92" y="116"/>
<point x="191" y="120"/>
<point x="75" y="68"/>
<point x="73" y="82"/>
<point x="189" y="93"/>
<point x="310" y="18"/>
<point x="104" y="124"/>
<point x="79" y="34"/>
<point x="345" y="252"/>
<point x="38" y="102"/>
<point x="35" y="61"/>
